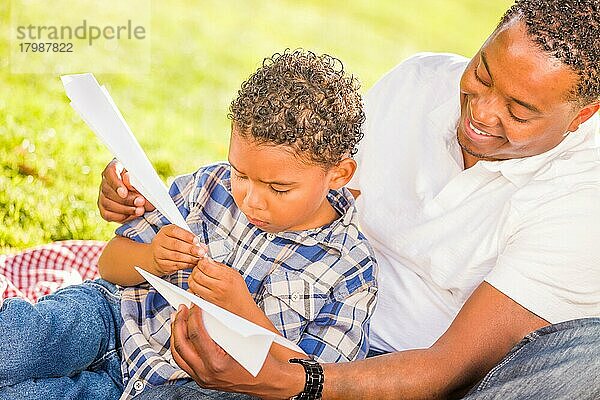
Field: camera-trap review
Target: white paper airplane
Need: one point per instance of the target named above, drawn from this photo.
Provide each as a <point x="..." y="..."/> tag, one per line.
<point x="98" y="110"/>
<point x="245" y="341"/>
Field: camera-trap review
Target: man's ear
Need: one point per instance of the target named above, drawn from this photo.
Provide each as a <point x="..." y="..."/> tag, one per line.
<point x="584" y="114"/>
<point x="342" y="173"/>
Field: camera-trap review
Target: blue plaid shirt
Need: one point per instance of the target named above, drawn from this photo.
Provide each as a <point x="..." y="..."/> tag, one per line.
<point x="318" y="286"/>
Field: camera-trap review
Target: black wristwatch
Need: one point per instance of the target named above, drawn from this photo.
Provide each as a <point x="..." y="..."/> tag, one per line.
<point x="313" y="387"/>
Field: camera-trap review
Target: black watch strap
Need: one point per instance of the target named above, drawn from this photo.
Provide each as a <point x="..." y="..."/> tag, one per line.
<point x="313" y="387"/>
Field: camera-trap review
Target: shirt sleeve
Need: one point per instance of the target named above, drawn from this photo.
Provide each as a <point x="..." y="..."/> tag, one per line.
<point x="144" y="228"/>
<point x="340" y="330"/>
<point x="551" y="262"/>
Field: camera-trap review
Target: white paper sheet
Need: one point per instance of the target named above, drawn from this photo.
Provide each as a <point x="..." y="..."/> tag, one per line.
<point x="245" y="341"/>
<point x="98" y="110"/>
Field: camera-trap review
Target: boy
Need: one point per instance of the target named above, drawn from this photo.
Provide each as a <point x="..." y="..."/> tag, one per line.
<point x="280" y="232"/>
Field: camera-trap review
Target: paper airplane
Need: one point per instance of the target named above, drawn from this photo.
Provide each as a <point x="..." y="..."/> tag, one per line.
<point x="245" y="341"/>
<point x="98" y="110"/>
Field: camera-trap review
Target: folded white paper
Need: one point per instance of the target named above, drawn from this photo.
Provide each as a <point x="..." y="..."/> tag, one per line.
<point x="245" y="341"/>
<point x="98" y="110"/>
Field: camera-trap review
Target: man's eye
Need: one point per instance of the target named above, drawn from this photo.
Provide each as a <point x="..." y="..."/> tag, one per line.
<point x="479" y="79"/>
<point x="514" y="117"/>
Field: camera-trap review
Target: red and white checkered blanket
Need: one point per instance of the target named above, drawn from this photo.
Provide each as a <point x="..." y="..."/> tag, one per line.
<point x="39" y="271"/>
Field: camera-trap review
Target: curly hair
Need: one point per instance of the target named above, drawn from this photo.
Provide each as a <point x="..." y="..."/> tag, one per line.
<point x="305" y="101"/>
<point x="568" y="30"/>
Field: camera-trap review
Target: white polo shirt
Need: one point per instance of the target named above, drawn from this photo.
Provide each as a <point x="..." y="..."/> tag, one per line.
<point x="530" y="227"/>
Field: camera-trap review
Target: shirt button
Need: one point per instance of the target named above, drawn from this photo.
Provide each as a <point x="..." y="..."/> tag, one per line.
<point x="271" y="236"/>
<point x="138" y="386"/>
<point x="295" y="296"/>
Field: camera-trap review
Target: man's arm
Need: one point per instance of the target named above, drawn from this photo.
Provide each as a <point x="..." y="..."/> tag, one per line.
<point x="484" y="331"/>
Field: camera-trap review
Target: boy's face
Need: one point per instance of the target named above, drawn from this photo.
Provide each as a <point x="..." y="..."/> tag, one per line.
<point x="275" y="189"/>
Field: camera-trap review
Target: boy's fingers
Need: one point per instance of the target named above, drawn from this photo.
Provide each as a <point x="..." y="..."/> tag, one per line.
<point x="167" y="255"/>
<point x="177" y="245"/>
<point x="200" y="290"/>
<point x="211" y="268"/>
<point x="179" y="233"/>
<point x="202" y="277"/>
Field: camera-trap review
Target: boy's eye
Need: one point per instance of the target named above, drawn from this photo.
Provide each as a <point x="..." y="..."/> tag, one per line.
<point x="238" y="176"/>
<point x="276" y="191"/>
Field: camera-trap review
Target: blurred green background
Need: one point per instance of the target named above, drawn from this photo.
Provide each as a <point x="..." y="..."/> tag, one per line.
<point x="201" y="51"/>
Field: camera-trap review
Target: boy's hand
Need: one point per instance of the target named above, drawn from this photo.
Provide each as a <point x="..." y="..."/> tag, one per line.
<point x="174" y="249"/>
<point x="223" y="286"/>
<point x="118" y="200"/>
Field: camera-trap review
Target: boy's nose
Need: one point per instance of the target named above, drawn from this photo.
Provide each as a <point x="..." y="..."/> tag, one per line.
<point x="254" y="200"/>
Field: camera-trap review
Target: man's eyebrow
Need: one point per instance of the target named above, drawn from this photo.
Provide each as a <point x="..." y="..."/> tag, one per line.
<point x="278" y="183"/>
<point x="528" y="106"/>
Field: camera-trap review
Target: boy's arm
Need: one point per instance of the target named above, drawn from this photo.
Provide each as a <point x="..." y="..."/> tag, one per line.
<point x="120" y="256"/>
<point x="171" y="250"/>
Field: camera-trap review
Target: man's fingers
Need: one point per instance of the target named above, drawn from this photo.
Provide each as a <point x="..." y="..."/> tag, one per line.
<point x="176" y="356"/>
<point x="109" y="192"/>
<point x="183" y="351"/>
<point x="181" y="362"/>
<point x="116" y="207"/>
<point x="198" y="337"/>
<point x="127" y="180"/>
<point x="111" y="176"/>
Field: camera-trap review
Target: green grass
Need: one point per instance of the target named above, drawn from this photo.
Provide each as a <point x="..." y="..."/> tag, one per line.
<point x="50" y="162"/>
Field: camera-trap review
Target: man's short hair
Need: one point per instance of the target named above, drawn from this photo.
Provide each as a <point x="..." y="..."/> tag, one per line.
<point x="568" y="30"/>
<point x="302" y="100"/>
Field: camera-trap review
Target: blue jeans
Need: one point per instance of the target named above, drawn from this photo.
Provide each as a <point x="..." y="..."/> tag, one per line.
<point x="559" y="361"/>
<point x="64" y="347"/>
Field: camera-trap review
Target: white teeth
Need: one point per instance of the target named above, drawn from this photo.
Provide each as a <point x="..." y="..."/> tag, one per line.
<point x="477" y="131"/>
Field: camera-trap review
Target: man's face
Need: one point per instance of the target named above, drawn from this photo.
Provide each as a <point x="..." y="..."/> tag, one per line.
<point x="513" y="99"/>
<point x="275" y="189"/>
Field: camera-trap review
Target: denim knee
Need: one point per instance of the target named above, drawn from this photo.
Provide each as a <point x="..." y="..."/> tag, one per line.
<point x="64" y="333"/>
<point x="560" y="361"/>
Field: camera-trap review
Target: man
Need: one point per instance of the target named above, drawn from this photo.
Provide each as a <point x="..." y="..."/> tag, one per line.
<point x="484" y="213"/>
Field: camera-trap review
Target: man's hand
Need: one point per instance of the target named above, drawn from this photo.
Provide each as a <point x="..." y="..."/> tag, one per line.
<point x="223" y="286"/>
<point x="211" y="367"/>
<point x="174" y="249"/>
<point x="118" y="200"/>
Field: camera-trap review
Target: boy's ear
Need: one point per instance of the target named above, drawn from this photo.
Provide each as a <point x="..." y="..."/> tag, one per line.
<point x="342" y="173"/>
